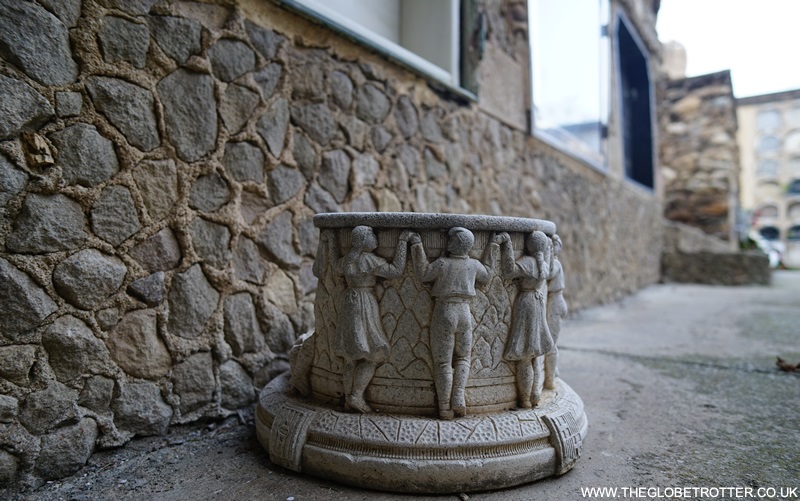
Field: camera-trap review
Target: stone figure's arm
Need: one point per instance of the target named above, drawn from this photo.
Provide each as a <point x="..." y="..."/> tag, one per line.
<point x="508" y="265"/>
<point x="489" y="260"/>
<point x="422" y="269"/>
<point x="396" y="267"/>
<point x="319" y="262"/>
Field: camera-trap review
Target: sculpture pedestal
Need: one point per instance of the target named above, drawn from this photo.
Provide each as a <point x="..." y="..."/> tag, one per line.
<point x="405" y="453"/>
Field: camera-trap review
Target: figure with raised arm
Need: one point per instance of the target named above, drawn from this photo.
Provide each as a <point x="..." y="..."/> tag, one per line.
<point x="360" y="338"/>
<point x="454" y="275"/>
<point x="529" y="337"/>
<point x="556" y="311"/>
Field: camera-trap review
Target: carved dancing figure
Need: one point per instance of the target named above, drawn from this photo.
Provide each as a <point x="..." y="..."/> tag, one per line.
<point x="360" y="338"/>
<point x="454" y="276"/>
<point x="556" y="311"/>
<point x="530" y="337"/>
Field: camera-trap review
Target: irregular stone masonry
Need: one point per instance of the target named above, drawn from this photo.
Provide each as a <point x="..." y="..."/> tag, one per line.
<point x="190" y="205"/>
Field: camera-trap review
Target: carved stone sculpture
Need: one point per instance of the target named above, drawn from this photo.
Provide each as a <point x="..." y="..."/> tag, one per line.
<point x="420" y="378"/>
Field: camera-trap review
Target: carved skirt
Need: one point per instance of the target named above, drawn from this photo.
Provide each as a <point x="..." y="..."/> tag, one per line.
<point x="359" y="333"/>
<point x="529" y="336"/>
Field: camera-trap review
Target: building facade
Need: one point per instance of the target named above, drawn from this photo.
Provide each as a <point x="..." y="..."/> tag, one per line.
<point x="161" y="160"/>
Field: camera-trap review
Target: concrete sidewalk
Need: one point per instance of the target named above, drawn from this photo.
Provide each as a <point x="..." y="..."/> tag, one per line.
<point x="680" y="387"/>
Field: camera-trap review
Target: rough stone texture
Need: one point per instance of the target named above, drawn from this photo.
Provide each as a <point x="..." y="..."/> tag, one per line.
<point x="305" y="155"/>
<point x="308" y="234"/>
<point x="67" y="11"/>
<point x="12" y="181"/>
<point x="238" y="104"/>
<point x="231" y="59"/>
<point x="244" y="161"/>
<point x="9" y="408"/>
<point x="211" y="241"/>
<point x="277" y="240"/>
<point x="16" y="363"/>
<point x="380" y="138"/>
<point x="190" y="113"/>
<point x="22" y="108"/>
<point x="341" y="89"/>
<point x="209" y="193"/>
<point x="114" y="216"/>
<point x="128" y="107"/>
<point x="267" y="79"/>
<point x="308" y="74"/>
<point x="334" y="173"/>
<point x="242" y="331"/>
<point x="37" y="42"/>
<point x="89" y="277"/>
<point x="194" y="382"/>
<point x="430" y="127"/>
<point x="732" y="268"/>
<point x="96" y="394"/>
<point x="280" y="292"/>
<point x="86" y="157"/>
<point x="317" y="120"/>
<point x="699" y="153"/>
<point x="253" y="206"/>
<point x="25" y="304"/>
<point x="66" y="450"/>
<point x="405" y="116"/>
<point x="284" y="183"/>
<point x="273" y="124"/>
<point x="320" y="200"/>
<point x="150" y="289"/>
<point x="140" y="409"/>
<point x="247" y="262"/>
<point x="236" y="385"/>
<point x="135" y="346"/>
<point x="45" y="409"/>
<point x="47" y="223"/>
<point x="8" y="467"/>
<point x="264" y="40"/>
<point x="158" y="184"/>
<point x="73" y="350"/>
<point x="133" y="7"/>
<point x="123" y="40"/>
<point x="372" y="104"/>
<point x="68" y="104"/>
<point x="178" y="37"/>
<point x="160" y="252"/>
<point x="365" y="170"/>
<point x="192" y="300"/>
<point x="107" y="318"/>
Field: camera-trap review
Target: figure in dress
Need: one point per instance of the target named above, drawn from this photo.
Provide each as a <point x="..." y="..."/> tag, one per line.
<point x="530" y="337"/>
<point x="556" y="311"/>
<point x="360" y="338"/>
<point x="454" y="275"/>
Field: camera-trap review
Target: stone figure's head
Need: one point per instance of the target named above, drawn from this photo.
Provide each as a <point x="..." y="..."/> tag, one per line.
<point x="364" y="239"/>
<point x="537" y="242"/>
<point x="459" y="241"/>
<point x="556" y="244"/>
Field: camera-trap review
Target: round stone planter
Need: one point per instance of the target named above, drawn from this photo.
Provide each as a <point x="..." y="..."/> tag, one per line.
<point x="396" y="297"/>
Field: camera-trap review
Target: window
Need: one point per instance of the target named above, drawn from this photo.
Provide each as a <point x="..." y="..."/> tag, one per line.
<point x="768" y="120"/>
<point x="792" y="141"/>
<point x="793" y="234"/>
<point x="418" y="33"/>
<point x="770" y="233"/>
<point x="794" y="211"/>
<point x="794" y="187"/>
<point x="767" y="169"/>
<point x="768" y="211"/>
<point x="569" y="62"/>
<point x="636" y="105"/>
<point x="769" y="145"/>
<point x="793" y="117"/>
<point x="768" y="190"/>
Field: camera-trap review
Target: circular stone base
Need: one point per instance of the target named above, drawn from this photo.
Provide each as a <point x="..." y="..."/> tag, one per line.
<point x="403" y="453"/>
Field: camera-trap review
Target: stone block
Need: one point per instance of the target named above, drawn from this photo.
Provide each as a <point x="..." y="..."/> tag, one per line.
<point x="238" y="104"/>
<point x="113" y="216"/>
<point x="123" y="40"/>
<point x="731" y="268"/>
<point x="380" y="138"/>
<point x="211" y="241"/>
<point x="150" y="289"/>
<point x="12" y="180"/>
<point x="178" y="37"/>
<point x="133" y="7"/>
<point x="242" y="331"/>
<point x="160" y="252"/>
<point x="140" y="409"/>
<point x="284" y="183"/>
<point x="86" y="158"/>
<point x="320" y="200"/>
<point x="341" y="89"/>
<point x="277" y="240"/>
<point x="253" y="205"/>
<point x="107" y="318"/>
<point x="45" y="409"/>
<point x="244" y="161"/>
<point x="73" y="350"/>
<point x="372" y="104"/>
<point x="272" y="126"/>
<point x="355" y="131"/>
<point x="192" y="300"/>
<point x="158" y="184"/>
<point x="129" y="108"/>
<point x="22" y="108"/>
<point x="25" y="304"/>
<point x="305" y="155"/>
<point x="264" y="40"/>
<point x="16" y="362"/>
<point x="193" y="381"/>
<point x="67" y="11"/>
<point x="280" y="292"/>
<point x="66" y="450"/>
<point x="317" y="120"/>
<point x="365" y="170"/>
<point x="334" y="173"/>
<point x="406" y="117"/>
<point x="135" y="346"/>
<point x="209" y="193"/>
<point x="68" y="104"/>
<point x="236" y="385"/>
<point x="47" y="59"/>
<point x="231" y="59"/>
<point x="247" y="262"/>
<point x="9" y="408"/>
<point x="89" y="277"/>
<point x="267" y="79"/>
<point x="307" y="74"/>
<point x="308" y="235"/>
<point x="8" y="467"/>
<point x="96" y="394"/>
<point x="190" y="112"/>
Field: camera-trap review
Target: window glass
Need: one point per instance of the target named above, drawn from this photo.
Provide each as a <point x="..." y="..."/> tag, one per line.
<point x="793" y="233"/>
<point x="769" y="144"/>
<point x="767" y="168"/>
<point x="768" y="211"/>
<point x="794" y="187"/>
<point x="768" y="120"/>
<point x="569" y="56"/>
<point x="794" y="211"/>
<point x="770" y="233"/>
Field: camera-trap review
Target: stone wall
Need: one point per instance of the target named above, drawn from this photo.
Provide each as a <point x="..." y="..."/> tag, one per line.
<point x="699" y="155"/>
<point x="160" y="162"/>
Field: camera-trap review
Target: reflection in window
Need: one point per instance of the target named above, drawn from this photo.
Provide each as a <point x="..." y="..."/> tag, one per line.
<point x="569" y="65"/>
<point x="792" y="141"/>
<point x="768" y="211"/>
<point x="769" y="144"/>
<point x="793" y="233"/>
<point x="767" y="168"/>
<point x="768" y="120"/>
<point x="794" y="211"/>
<point x="770" y="233"/>
<point x="794" y="187"/>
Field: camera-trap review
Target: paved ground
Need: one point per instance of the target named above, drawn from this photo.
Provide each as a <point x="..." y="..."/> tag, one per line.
<point x="680" y="387"/>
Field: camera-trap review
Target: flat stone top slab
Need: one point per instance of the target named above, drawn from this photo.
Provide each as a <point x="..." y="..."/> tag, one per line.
<point x="418" y="220"/>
